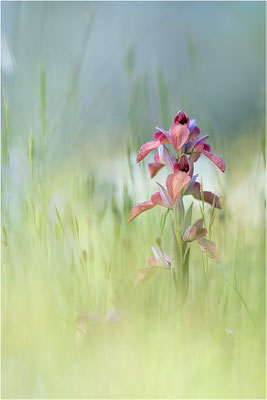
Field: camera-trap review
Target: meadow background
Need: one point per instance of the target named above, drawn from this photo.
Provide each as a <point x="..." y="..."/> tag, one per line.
<point x="83" y="86"/>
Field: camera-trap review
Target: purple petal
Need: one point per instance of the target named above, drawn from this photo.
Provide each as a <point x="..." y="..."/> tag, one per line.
<point x="166" y="156"/>
<point x="192" y="124"/>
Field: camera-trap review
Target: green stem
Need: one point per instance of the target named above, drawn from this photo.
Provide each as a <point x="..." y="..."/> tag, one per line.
<point x="7" y="128"/>
<point x="179" y="237"/>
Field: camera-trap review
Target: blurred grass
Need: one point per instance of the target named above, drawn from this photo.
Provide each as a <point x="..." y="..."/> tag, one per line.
<point x="69" y="260"/>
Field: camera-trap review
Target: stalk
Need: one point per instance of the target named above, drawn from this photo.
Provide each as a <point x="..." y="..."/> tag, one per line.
<point x="179" y="236"/>
<point x="7" y="127"/>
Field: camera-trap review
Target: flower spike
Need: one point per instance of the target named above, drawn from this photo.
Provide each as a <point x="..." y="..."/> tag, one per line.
<point x="184" y="136"/>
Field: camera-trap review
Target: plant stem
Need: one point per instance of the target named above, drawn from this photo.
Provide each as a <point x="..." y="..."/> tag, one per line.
<point x="179" y="238"/>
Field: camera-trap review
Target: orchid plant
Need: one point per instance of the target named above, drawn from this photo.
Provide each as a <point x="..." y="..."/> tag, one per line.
<point x="184" y="136"/>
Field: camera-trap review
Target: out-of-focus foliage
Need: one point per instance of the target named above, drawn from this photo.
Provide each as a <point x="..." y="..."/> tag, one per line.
<point x="90" y="81"/>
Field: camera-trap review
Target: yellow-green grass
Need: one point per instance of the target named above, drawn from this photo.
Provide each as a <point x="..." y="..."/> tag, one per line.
<point x="73" y="325"/>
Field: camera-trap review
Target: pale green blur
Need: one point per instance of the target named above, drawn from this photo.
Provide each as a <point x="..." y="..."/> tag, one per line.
<point x="73" y="325"/>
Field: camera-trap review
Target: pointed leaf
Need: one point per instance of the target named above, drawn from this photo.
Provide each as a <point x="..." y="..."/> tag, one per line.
<point x="188" y="216"/>
<point x="179" y="211"/>
<point x="185" y="287"/>
<point x="186" y="265"/>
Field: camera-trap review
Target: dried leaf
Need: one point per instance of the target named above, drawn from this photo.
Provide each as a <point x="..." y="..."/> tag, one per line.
<point x="194" y="231"/>
<point x="144" y="274"/>
<point x="209" y="247"/>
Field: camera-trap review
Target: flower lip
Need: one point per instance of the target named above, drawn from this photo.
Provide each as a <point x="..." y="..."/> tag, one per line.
<point x="182" y="165"/>
<point x="181" y="118"/>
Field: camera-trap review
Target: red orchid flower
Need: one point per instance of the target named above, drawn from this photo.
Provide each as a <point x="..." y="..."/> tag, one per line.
<point x="179" y="132"/>
<point x="180" y="177"/>
<point x="181" y="118"/>
<point x="177" y="136"/>
<point x="175" y="182"/>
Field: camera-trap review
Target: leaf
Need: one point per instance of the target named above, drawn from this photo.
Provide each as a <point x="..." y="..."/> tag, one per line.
<point x="209" y="247"/>
<point x="163" y="221"/>
<point x="77" y="227"/>
<point x="188" y="217"/>
<point x="59" y="219"/>
<point x="144" y="274"/>
<point x="186" y="274"/>
<point x="179" y="211"/>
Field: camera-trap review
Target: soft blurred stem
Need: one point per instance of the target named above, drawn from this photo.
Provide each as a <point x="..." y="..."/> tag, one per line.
<point x="158" y="241"/>
<point x="178" y="235"/>
<point x="7" y="127"/>
<point x="106" y="293"/>
<point x="181" y="294"/>
<point x="31" y="155"/>
<point x="250" y="314"/>
<point x="7" y="138"/>
<point x="43" y="114"/>
<point x="43" y="103"/>
<point x="205" y="276"/>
